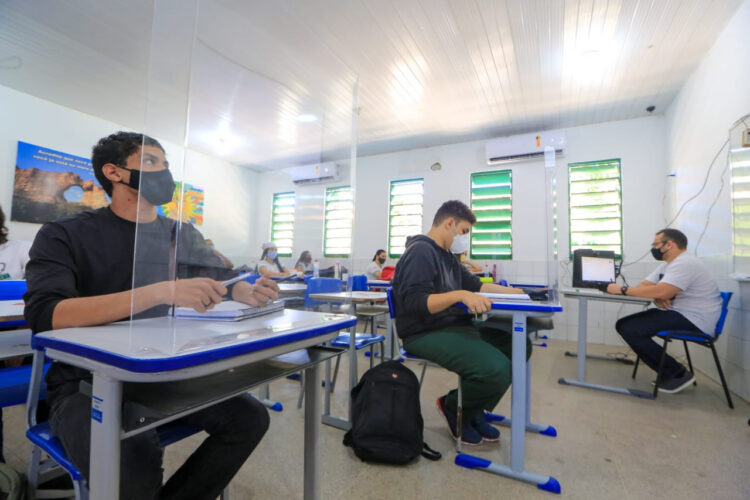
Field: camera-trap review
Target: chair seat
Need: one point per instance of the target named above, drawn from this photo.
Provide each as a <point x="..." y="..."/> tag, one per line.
<point x="371" y="310"/>
<point x="689" y="335"/>
<point x="361" y="340"/>
<point x="41" y="435"/>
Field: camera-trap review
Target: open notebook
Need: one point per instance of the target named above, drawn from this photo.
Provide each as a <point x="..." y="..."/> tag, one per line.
<point x="506" y="296"/>
<point x="229" y="311"/>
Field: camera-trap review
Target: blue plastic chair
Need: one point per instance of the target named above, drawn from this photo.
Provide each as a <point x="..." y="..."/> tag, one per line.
<point x="357" y="283"/>
<point x="700" y="338"/>
<point x="12" y="289"/>
<point x="252" y="279"/>
<point x="320" y="285"/>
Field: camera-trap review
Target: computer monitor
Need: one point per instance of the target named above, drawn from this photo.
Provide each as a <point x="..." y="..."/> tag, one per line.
<point x="593" y="268"/>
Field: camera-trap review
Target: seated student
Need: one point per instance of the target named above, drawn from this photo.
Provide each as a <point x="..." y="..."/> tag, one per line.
<point x="469" y="265"/>
<point x="14" y="254"/>
<point x="269" y="264"/>
<point x="81" y="274"/>
<point x="376" y="266"/>
<point x="428" y="283"/>
<point x="220" y="255"/>
<point x="686" y="297"/>
<point x="304" y="263"/>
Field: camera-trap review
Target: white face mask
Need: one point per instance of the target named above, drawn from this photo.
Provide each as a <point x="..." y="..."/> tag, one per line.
<point x="460" y="243"/>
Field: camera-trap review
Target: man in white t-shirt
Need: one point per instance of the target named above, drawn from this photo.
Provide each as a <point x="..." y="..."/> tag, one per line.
<point x="14" y="254"/>
<point x="687" y="298"/>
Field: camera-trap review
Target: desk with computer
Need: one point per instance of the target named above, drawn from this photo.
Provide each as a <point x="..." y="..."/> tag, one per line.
<point x="593" y="270"/>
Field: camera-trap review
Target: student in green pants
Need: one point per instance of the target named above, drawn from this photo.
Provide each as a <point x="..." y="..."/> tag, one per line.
<point x="428" y="283"/>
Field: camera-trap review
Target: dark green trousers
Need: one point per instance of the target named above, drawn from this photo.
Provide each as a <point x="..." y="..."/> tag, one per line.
<point x="481" y="355"/>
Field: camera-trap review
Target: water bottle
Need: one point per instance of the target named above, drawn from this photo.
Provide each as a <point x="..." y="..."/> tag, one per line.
<point x="494" y="273"/>
<point x="316" y="269"/>
<point x="337" y="270"/>
<point x="486" y="270"/>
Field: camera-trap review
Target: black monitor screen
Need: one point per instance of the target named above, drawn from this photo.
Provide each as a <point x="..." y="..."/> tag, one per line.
<point x="593" y="268"/>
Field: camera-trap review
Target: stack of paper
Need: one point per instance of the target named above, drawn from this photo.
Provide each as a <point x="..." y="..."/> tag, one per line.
<point x="229" y="311"/>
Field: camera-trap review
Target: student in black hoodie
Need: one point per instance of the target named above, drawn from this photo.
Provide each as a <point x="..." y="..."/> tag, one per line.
<point x="428" y="283"/>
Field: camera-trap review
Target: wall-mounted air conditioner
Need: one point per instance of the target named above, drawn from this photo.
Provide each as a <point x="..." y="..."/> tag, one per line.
<point x="315" y="174"/>
<point x="524" y="147"/>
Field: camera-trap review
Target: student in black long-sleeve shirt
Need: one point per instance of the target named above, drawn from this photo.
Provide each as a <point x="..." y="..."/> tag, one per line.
<point x="81" y="274"/>
<point x="428" y="284"/>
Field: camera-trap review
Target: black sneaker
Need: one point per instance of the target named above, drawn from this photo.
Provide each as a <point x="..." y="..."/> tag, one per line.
<point x="469" y="435"/>
<point x="677" y="384"/>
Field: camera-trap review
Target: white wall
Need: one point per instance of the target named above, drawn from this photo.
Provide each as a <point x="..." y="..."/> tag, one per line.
<point x="715" y="96"/>
<point x="229" y="190"/>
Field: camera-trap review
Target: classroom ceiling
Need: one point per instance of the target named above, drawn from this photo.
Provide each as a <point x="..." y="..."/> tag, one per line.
<point x="270" y="83"/>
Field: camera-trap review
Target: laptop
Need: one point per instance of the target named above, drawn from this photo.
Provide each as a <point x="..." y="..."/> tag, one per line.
<point x="593" y="268"/>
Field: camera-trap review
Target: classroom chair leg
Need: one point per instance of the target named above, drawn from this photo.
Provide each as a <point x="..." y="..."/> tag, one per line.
<point x="690" y="362"/>
<point x="421" y="376"/>
<point x="459" y="416"/>
<point x="635" y="365"/>
<point x="721" y="375"/>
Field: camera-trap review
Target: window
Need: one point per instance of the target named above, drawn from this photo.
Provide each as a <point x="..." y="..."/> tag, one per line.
<point x="404" y="213"/>
<point x="595" y="203"/>
<point x="282" y="223"/>
<point x="339" y="214"/>
<point x="491" y="202"/>
<point x="739" y="161"/>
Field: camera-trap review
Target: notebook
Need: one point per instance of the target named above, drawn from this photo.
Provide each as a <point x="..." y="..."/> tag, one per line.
<point x="229" y="310"/>
<point x="506" y="296"/>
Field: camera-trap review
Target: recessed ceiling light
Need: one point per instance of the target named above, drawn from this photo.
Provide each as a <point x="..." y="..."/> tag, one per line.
<point x="307" y="118"/>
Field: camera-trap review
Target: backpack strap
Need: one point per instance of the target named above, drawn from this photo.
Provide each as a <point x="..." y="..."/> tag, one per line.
<point x="431" y="454"/>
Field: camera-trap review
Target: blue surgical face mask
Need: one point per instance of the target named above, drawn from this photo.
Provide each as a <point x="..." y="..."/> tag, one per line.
<point x="272" y="255"/>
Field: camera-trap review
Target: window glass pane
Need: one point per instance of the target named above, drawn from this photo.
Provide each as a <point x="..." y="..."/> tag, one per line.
<point x="339" y="215"/>
<point x="491" y="201"/>
<point x="405" y="213"/>
<point x="595" y="201"/>
<point x="282" y="223"/>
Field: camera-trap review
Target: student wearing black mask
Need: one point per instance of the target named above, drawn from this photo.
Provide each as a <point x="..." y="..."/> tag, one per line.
<point x="81" y="274"/>
<point x="686" y="297"/>
<point x="376" y="266"/>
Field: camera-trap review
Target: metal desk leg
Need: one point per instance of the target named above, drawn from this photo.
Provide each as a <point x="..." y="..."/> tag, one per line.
<point x="390" y="341"/>
<point x="106" y="422"/>
<point x="581" y="381"/>
<point x="329" y="419"/>
<point x="312" y="432"/>
<point x="518" y="417"/>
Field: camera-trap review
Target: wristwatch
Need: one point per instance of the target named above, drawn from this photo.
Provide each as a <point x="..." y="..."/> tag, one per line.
<point x="624" y="290"/>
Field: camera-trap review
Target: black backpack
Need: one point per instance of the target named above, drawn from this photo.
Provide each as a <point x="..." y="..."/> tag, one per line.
<point x="386" y="417"/>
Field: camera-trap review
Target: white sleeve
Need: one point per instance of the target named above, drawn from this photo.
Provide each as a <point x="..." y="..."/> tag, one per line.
<point x="654" y="276"/>
<point x="680" y="274"/>
<point x="24" y="255"/>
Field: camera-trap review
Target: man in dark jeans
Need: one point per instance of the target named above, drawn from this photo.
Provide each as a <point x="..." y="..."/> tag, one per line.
<point x="428" y="284"/>
<point x="687" y="298"/>
<point x="81" y="273"/>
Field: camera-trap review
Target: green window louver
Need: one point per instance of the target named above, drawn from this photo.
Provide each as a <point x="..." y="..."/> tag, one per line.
<point x="491" y="202"/>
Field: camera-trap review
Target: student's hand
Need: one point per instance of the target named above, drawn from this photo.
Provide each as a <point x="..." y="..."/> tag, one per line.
<point x="200" y="294"/>
<point x="300" y="274"/>
<point x="477" y="304"/>
<point x="663" y="303"/>
<point x="264" y="290"/>
<point x="614" y="289"/>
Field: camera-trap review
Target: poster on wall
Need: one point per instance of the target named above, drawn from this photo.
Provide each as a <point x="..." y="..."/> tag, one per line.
<point x="192" y="204"/>
<point x="50" y="184"/>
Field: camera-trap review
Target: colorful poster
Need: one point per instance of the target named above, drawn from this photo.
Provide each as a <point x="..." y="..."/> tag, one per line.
<point x="50" y="184"/>
<point x="192" y="204"/>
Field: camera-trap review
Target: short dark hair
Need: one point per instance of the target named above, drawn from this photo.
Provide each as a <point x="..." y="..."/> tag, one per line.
<point x="116" y="149"/>
<point x="678" y="237"/>
<point x="3" y="229"/>
<point x="456" y="209"/>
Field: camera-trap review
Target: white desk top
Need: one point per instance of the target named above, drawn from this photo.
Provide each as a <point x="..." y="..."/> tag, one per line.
<point x="599" y="295"/>
<point x="378" y="283"/>
<point x="291" y="288"/>
<point x="166" y="343"/>
<point x="15" y="343"/>
<point x="11" y="310"/>
<point x="350" y="296"/>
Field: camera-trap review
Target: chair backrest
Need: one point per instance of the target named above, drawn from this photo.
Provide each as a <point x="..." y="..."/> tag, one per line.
<point x="391" y="308"/>
<point x="725" y="296"/>
<point x="321" y="285"/>
<point x="12" y="289"/>
<point x="357" y="283"/>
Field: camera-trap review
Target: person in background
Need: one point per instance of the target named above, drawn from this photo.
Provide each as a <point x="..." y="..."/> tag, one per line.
<point x="469" y="265"/>
<point x="304" y="263"/>
<point x="14" y="254"/>
<point x="82" y="273"/>
<point x="686" y="297"/>
<point x="428" y="285"/>
<point x="220" y="255"/>
<point x="376" y="266"/>
<point x="269" y="264"/>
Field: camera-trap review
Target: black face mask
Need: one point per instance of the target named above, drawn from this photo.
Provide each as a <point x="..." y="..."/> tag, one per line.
<point x="157" y="186"/>
<point x="656" y="252"/>
<point x="381" y="260"/>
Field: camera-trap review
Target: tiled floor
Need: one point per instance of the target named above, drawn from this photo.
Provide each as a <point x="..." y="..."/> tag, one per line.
<point x="683" y="446"/>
